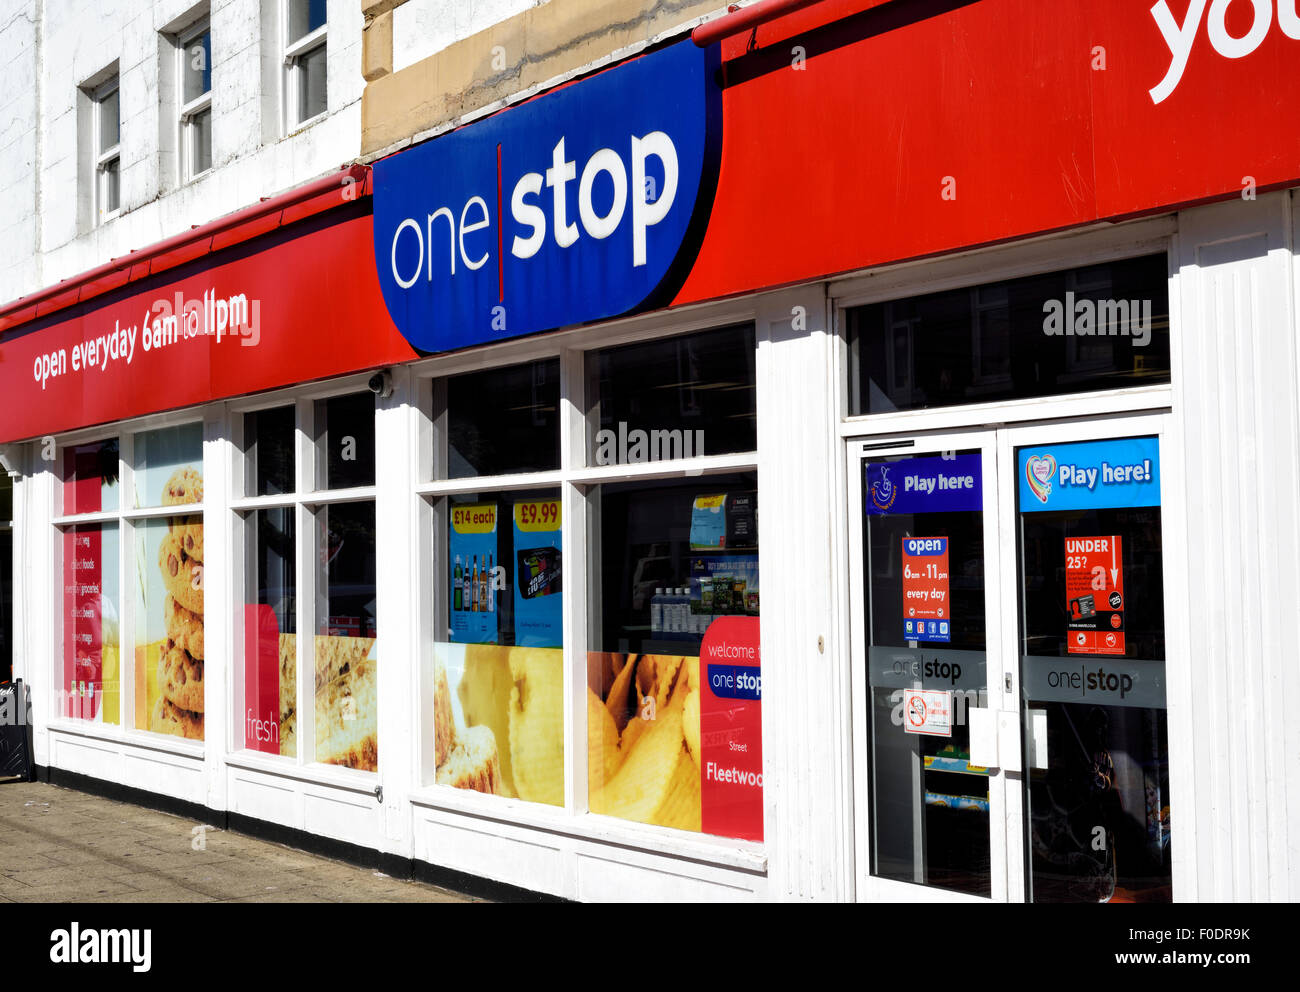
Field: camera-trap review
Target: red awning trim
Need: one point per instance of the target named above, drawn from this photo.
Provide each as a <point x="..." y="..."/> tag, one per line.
<point x="260" y="218"/>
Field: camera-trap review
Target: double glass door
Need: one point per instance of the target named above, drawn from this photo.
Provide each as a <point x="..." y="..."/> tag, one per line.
<point x="1008" y="611"/>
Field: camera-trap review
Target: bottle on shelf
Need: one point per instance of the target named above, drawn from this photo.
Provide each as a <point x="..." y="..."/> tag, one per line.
<point x="657" y="612"/>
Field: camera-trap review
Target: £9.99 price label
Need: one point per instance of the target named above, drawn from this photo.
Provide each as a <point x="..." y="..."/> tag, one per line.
<point x="927" y="613"/>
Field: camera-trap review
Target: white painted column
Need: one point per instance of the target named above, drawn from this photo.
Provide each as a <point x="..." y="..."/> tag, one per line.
<point x="224" y="659"/>
<point x="1235" y="779"/>
<point x="398" y="588"/>
<point x="808" y="825"/>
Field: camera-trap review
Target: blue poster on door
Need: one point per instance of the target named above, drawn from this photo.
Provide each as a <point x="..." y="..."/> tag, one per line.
<point x="924" y="485"/>
<point x="1089" y="475"/>
<point x="473" y="547"/>
<point x="538" y="594"/>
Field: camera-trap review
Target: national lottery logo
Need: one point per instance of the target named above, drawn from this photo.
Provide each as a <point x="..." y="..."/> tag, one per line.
<point x="883" y="492"/>
<point x="1038" y="473"/>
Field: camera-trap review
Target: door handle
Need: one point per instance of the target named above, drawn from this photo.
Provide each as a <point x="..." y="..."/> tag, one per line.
<point x="994" y="739"/>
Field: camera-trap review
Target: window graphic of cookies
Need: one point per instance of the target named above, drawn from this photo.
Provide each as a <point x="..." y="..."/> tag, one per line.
<point x="170" y="689"/>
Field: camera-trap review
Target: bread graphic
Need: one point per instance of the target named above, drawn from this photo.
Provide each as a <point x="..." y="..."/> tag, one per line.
<point x="346" y="700"/>
<point x="443" y="721"/>
<point x="484" y="693"/>
<point x="514" y="697"/>
<point x="536" y="722"/>
<point x="347" y="715"/>
<point x="473" y="762"/>
<point x="288" y="694"/>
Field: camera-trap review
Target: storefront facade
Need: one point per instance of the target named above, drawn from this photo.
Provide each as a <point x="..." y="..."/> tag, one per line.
<point x="444" y="538"/>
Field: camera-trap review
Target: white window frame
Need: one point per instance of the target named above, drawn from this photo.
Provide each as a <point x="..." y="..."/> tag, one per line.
<point x="127" y="518"/>
<point x="186" y="134"/>
<point x="574" y="477"/>
<point x="308" y="497"/>
<point x="293" y="53"/>
<point x="104" y="157"/>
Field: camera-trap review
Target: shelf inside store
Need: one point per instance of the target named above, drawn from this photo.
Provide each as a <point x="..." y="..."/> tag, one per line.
<point x="953" y="764"/>
<point x="944" y="800"/>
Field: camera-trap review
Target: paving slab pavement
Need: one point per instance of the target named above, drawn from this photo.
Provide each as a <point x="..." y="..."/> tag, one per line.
<point x="59" y="845"/>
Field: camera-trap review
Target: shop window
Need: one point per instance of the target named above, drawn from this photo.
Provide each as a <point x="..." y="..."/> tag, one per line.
<point x="502" y="421"/>
<point x="168" y="618"/>
<point x="497" y="664"/>
<point x="310" y="563"/>
<point x="194" y="83"/>
<point x="1098" y="327"/>
<point x="269" y="438"/>
<point x="305" y="50"/>
<point x="678" y="562"/>
<point x="684" y="397"/>
<point x="673" y="671"/>
<point x="498" y="670"/>
<point x="145" y="553"/>
<point x="669" y="568"/>
<point x="107" y="131"/>
<point x="345" y="439"/>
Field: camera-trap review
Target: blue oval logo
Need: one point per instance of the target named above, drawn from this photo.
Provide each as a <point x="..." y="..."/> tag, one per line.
<point x="583" y="204"/>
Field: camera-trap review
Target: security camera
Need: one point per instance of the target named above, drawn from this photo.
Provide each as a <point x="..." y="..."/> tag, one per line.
<point x="381" y="384"/>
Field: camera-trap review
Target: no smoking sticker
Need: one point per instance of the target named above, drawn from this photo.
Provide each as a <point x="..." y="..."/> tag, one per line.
<point x="927" y="711"/>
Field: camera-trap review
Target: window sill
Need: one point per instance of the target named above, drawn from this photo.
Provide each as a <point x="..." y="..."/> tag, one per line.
<point x="719" y="851"/>
<point x="349" y="779"/>
<point x="303" y="125"/>
<point x="139" y="739"/>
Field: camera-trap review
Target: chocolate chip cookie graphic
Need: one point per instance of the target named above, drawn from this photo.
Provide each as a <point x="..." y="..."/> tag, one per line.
<point x="180" y="677"/>
<point x="185" y="486"/>
<point x="182" y="575"/>
<point x="184" y="629"/>
<point x="167" y="719"/>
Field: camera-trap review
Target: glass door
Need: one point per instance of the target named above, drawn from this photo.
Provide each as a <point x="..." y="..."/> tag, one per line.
<point x="927" y="666"/>
<point x="1089" y="585"/>
<point x="1008" y="620"/>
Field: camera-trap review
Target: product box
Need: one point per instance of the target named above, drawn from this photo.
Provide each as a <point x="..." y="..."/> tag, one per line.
<point x="724" y="585"/>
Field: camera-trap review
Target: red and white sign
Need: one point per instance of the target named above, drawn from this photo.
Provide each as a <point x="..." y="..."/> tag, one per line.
<point x="302" y="304"/>
<point x="929" y="153"/>
<point x="261" y="679"/>
<point x="731" y="729"/>
<point x="927" y="612"/>
<point x="927" y="711"/>
<point x="1094" y="594"/>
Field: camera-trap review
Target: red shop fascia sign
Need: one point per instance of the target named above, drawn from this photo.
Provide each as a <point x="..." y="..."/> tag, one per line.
<point x="854" y="134"/>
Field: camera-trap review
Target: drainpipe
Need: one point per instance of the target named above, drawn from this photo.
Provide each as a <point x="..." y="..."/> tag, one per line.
<point x="742" y="19"/>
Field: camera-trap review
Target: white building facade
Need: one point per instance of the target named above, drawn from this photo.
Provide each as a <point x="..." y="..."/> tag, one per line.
<point x="475" y="494"/>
